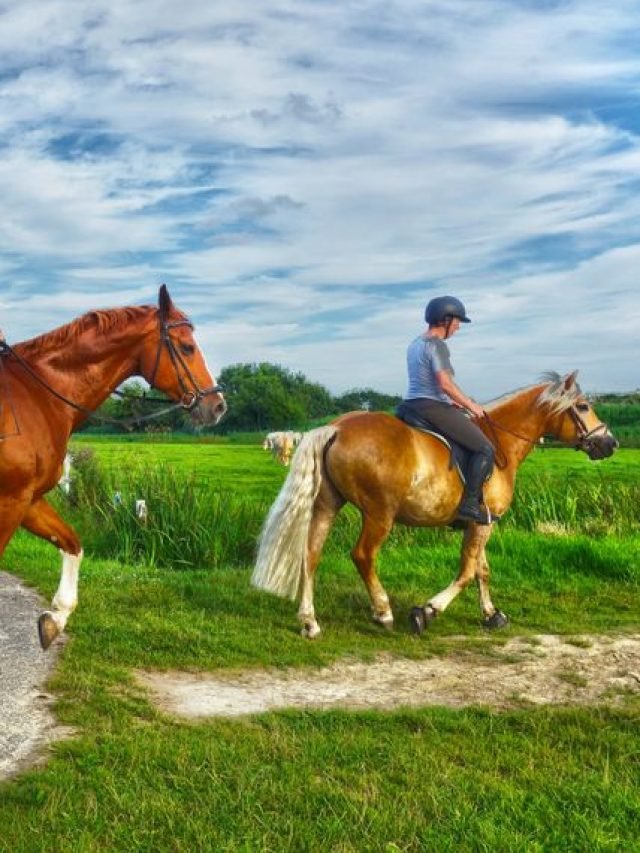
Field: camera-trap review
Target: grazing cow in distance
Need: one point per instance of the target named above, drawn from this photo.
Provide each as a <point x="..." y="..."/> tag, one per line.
<point x="282" y="445"/>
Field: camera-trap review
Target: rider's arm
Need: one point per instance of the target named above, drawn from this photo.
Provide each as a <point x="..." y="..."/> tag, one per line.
<point x="445" y="380"/>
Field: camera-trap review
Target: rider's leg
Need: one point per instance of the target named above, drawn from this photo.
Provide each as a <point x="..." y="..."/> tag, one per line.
<point x="478" y="470"/>
<point x="456" y="425"/>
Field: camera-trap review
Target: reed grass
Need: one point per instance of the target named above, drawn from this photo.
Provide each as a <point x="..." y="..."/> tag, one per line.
<point x="195" y="523"/>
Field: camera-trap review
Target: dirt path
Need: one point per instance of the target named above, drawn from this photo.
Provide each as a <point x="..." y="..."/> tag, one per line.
<point x="26" y="721"/>
<point x="535" y="670"/>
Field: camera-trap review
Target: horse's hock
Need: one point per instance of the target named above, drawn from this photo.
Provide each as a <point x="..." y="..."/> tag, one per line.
<point x="27" y="722"/>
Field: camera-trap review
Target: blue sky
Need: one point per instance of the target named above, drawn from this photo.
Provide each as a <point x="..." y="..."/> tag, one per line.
<point x="304" y="175"/>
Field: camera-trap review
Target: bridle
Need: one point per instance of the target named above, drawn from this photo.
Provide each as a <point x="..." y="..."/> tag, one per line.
<point x="586" y="437"/>
<point x="585" y="440"/>
<point x="190" y="396"/>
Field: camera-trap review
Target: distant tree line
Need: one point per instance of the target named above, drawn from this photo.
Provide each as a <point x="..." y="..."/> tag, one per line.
<point x="261" y="397"/>
<point x="264" y="397"/>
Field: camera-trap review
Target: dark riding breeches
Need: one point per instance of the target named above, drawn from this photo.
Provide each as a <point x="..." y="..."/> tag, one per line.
<point x="453" y="423"/>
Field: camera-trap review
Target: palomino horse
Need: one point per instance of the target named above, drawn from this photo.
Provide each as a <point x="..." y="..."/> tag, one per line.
<point x="393" y="473"/>
<point x="49" y="385"/>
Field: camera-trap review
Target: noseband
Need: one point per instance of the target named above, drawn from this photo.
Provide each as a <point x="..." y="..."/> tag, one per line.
<point x="191" y="396"/>
<point x="586" y="437"/>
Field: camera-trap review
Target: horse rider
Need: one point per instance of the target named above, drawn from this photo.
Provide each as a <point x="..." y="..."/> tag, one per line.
<point x="434" y="396"/>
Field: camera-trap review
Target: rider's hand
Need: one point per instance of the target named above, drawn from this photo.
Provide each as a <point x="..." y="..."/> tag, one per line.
<point x="476" y="410"/>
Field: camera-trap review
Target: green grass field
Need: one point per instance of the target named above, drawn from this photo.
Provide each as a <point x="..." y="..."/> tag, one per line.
<point x="133" y="779"/>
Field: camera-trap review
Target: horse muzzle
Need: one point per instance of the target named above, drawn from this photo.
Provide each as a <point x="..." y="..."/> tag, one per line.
<point x="600" y="447"/>
<point x="206" y="406"/>
<point x="208" y="410"/>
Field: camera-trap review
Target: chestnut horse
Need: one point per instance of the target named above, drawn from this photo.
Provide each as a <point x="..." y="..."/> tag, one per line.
<point x="393" y="473"/>
<point x="49" y="385"/>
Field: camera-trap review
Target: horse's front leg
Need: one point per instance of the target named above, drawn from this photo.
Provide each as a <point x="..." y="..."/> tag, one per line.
<point x="43" y="521"/>
<point x="491" y="616"/>
<point x="473" y="542"/>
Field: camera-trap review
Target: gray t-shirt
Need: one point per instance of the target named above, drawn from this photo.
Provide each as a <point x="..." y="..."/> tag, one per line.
<point x="426" y="356"/>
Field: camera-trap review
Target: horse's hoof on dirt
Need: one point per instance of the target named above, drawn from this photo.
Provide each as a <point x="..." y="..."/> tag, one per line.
<point x="47" y="630"/>
<point x="420" y="617"/>
<point x="498" y="620"/>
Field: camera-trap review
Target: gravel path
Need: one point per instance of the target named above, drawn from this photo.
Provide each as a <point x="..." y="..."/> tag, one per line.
<point x="26" y="721"/>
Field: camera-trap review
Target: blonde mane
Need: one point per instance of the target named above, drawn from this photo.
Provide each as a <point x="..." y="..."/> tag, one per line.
<point x="556" y="396"/>
<point x="553" y="393"/>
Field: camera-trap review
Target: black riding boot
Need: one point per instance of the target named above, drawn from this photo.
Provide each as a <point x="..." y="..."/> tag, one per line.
<point x="478" y="470"/>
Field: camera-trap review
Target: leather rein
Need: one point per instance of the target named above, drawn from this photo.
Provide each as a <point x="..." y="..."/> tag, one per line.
<point x="584" y="441"/>
<point x="190" y="396"/>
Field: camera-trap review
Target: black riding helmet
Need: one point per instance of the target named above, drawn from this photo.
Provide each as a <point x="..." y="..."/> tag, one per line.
<point x="443" y="307"/>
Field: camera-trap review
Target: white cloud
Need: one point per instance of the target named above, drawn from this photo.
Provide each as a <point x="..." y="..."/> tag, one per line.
<point x="271" y="161"/>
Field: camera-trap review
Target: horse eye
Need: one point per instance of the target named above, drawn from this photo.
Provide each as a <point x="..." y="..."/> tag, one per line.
<point x="187" y="349"/>
<point x="582" y="407"/>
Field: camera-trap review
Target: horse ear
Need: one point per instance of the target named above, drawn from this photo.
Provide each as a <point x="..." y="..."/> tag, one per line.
<point x="570" y="380"/>
<point x="164" y="301"/>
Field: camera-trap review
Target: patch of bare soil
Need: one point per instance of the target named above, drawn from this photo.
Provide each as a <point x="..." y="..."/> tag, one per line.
<point x="539" y="670"/>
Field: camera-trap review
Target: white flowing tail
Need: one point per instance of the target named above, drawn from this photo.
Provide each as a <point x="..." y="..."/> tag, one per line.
<point x="282" y="546"/>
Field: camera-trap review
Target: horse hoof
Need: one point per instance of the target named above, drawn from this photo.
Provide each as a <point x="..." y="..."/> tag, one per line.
<point x="47" y="630"/>
<point x="385" y="621"/>
<point x="497" y="620"/>
<point x="310" y="631"/>
<point x="420" y="617"/>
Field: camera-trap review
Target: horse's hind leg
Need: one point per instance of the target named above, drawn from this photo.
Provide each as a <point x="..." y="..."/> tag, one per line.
<point x="44" y="522"/>
<point x="12" y="510"/>
<point x="326" y="507"/>
<point x="374" y="532"/>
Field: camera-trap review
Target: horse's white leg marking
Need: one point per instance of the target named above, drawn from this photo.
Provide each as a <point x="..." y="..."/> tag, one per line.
<point x="306" y="611"/>
<point x="474" y="540"/>
<point x="66" y="597"/>
<point x="380" y="604"/>
<point x="382" y="612"/>
<point x="443" y="599"/>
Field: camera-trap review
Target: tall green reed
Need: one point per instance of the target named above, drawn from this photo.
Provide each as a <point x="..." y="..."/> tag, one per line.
<point x="192" y="524"/>
<point x="185" y="524"/>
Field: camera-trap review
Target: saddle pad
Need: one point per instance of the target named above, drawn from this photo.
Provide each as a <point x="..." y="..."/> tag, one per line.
<point x="459" y="455"/>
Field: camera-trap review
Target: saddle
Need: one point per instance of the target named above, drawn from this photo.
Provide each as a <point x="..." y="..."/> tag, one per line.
<point x="458" y="456"/>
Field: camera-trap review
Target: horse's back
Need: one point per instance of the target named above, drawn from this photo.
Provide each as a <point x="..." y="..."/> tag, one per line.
<point x="380" y="464"/>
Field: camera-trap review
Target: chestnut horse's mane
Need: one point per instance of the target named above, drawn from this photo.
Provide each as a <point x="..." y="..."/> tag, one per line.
<point x="102" y="321"/>
<point x="553" y="394"/>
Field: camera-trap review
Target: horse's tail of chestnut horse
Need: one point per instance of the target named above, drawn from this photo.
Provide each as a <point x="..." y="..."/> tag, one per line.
<point x="282" y="547"/>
